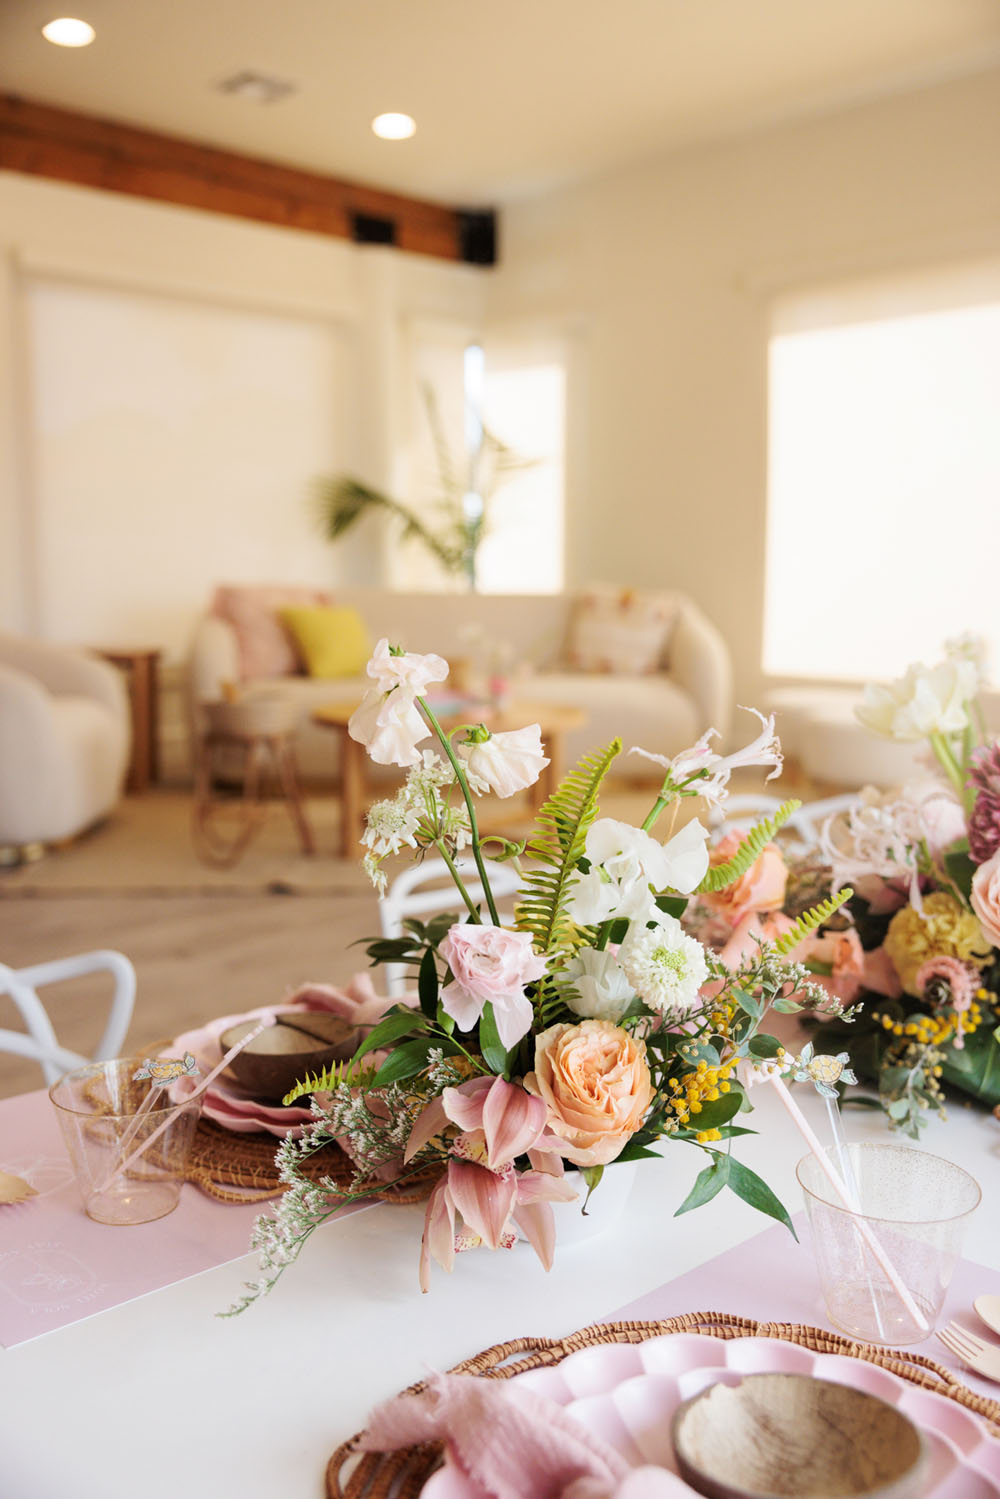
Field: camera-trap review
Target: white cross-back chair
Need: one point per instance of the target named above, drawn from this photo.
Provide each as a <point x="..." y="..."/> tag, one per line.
<point x="426" y="889"/>
<point x="39" y="1042"/>
<point x="806" y="823"/>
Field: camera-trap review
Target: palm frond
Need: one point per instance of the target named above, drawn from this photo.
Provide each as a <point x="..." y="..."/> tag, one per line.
<point x="760" y="834"/>
<point x="557" y="848"/>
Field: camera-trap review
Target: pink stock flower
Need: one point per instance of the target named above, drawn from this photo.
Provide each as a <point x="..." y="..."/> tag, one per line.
<point x="762" y="888"/>
<point x="504" y="763"/>
<point x="387" y="721"/>
<point x="984" y="824"/>
<point x="498" y="1122"/>
<point x="490" y="964"/>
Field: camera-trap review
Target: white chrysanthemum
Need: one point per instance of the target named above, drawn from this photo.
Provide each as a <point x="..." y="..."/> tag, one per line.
<point x="665" y="966"/>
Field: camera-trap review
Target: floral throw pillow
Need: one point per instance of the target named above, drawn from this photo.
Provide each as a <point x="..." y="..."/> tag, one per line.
<point x="265" y="646"/>
<point x="621" y="631"/>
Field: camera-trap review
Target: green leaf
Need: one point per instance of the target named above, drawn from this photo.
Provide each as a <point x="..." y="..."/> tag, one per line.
<point x="748" y="1003"/>
<point x="899" y="1108"/>
<point x="960" y="867"/>
<point x="634" y="1152"/>
<point x="749" y="1186"/>
<point x="764" y="1046"/>
<point x="786" y="1006"/>
<point x="391" y="1029"/>
<point x="405" y="1061"/>
<point x="708" y="1184"/>
<point x="427" y="985"/>
<point x="717" y="1111"/>
<point x="495" y="1055"/>
<point x="674" y="905"/>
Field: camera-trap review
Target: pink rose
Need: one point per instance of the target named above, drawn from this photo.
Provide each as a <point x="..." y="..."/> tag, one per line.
<point x="986" y="898"/>
<point x="595" y="1080"/>
<point x="490" y="964"/>
<point x="843" y="952"/>
<point x="762" y="888"/>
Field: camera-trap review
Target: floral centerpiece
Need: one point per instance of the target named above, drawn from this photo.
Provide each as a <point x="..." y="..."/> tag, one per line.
<point x="918" y="943"/>
<point x="593" y="1031"/>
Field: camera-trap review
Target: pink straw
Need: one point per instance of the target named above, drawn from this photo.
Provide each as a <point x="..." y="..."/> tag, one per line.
<point x="852" y="1207"/>
<point x="265" y="1021"/>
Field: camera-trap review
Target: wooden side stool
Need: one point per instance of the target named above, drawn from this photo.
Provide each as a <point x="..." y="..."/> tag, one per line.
<point x="259" y="730"/>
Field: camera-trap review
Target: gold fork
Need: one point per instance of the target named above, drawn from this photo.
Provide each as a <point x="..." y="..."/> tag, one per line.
<point x="981" y="1357"/>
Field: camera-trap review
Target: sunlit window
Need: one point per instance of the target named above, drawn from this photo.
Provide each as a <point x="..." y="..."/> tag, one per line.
<point x="883" y="530"/>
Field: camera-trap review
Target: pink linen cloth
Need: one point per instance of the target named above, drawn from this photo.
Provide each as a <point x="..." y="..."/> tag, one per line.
<point x="512" y="1444"/>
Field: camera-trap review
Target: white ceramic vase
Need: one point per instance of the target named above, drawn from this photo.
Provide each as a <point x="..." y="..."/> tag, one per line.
<point x="607" y="1204"/>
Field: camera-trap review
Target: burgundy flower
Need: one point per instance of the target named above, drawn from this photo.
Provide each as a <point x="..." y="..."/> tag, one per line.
<point x="984" y="823"/>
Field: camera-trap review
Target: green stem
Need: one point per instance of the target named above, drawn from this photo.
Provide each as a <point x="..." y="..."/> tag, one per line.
<point x="477" y="852"/>
<point x="658" y="806"/>
<point x="946" y="759"/>
<point x="453" y="871"/>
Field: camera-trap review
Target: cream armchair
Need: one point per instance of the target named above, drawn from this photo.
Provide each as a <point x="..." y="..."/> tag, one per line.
<point x="64" y="740"/>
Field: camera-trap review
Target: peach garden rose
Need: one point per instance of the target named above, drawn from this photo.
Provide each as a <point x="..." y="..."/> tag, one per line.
<point x="595" y="1081"/>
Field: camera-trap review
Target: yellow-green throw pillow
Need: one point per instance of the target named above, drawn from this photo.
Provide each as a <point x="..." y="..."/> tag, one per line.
<point x="332" y="642"/>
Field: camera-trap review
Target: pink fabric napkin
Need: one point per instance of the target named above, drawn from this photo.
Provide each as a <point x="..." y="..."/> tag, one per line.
<point x="513" y="1444"/>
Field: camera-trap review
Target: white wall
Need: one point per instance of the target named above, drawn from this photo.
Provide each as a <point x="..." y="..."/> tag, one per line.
<point x="170" y="381"/>
<point x="668" y="272"/>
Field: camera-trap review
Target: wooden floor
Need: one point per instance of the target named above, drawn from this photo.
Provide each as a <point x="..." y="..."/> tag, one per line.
<point x="194" y="956"/>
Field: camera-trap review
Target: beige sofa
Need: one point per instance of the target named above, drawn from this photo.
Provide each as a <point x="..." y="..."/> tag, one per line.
<point x="64" y="740"/>
<point x="663" y="710"/>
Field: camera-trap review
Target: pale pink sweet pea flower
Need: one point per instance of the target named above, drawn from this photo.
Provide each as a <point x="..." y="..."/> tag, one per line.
<point x="765" y="749"/>
<point x="504" y="763"/>
<point x="387" y="721"/>
<point x="490" y="964"/>
<point x="499" y="1121"/>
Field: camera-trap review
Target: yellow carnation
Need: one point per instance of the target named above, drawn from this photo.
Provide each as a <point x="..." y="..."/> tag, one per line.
<point x="944" y="929"/>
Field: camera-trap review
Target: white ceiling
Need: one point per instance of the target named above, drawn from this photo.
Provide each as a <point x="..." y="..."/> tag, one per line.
<point x="511" y="97"/>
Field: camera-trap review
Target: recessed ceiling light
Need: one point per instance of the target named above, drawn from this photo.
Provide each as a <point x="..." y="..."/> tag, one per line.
<point x="68" y="32"/>
<point x="394" y="127"/>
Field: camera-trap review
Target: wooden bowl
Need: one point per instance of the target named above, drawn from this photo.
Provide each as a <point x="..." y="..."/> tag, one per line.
<point x="294" y="1047"/>
<point x="790" y="1434"/>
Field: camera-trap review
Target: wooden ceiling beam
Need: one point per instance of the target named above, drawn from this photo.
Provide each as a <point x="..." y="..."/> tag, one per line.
<point x="46" y="142"/>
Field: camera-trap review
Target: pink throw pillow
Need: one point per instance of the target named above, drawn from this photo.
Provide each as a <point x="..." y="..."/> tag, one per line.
<point x="265" y="646"/>
<point x="621" y="630"/>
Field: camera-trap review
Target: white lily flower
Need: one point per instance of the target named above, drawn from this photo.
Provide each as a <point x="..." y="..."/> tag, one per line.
<point x="765" y="749"/>
<point x="504" y="763"/>
<point x="603" y="992"/>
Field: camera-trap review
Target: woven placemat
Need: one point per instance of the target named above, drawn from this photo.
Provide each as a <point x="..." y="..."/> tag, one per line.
<point x="235" y="1167"/>
<point x="401" y="1475"/>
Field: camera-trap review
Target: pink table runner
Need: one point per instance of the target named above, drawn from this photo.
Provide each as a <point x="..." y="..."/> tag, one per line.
<point x="57" y="1265"/>
<point x="770" y="1278"/>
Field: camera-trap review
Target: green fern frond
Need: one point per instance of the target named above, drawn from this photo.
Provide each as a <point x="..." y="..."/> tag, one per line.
<point x="557" y="848"/>
<point x="760" y="834"/>
<point x="331" y="1078"/>
<point x="810" y="920"/>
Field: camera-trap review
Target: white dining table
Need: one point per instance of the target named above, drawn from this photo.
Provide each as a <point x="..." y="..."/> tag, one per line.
<point x="160" y="1398"/>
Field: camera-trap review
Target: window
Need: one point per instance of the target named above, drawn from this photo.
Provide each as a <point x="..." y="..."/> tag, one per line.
<point x="884" y="475"/>
<point x="515" y="389"/>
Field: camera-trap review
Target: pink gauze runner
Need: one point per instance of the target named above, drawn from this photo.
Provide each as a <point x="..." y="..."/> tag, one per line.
<point x="57" y="1265"/>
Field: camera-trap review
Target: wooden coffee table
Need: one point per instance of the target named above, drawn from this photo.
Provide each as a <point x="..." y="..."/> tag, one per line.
<point x="554" y="720"/>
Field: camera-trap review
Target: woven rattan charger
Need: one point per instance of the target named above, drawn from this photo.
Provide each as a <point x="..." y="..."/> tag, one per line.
<point x="402" y="1475"/>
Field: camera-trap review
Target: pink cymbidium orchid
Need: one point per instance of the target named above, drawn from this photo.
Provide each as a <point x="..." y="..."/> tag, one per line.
<point x="497" y="1122"/>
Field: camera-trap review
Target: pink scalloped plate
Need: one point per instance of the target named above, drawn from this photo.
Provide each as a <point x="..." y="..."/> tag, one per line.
<point x="628" y="1394"/>
<point x="224" y="1101"/>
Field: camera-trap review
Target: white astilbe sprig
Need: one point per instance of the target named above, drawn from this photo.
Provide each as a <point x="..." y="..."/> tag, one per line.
<point x="699" y="771"/>
<point x="418" y="816"/>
